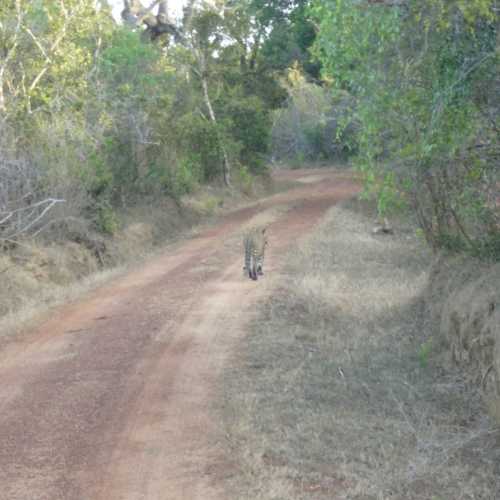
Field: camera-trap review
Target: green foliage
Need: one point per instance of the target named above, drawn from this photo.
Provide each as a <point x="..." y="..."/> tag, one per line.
<point x="130" y="99"/>
<point x="128" y="62"/>
<point x="199" y="142"/>
<point x="289" y="32"/>
<point x="248" y="124"/>
<point x="388" y="197"/>
<point x="49" y="49"/>
<point x="425" y="78"/>
<point x="315" y="124"/>
<point x="246" y="180"/>
<point x="109" y="118"/>
<point x="106" y="219"/>
<point x="186" y="176"/>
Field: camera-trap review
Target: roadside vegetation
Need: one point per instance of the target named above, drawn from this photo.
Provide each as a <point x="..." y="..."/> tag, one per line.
<point x="425" y="81"/>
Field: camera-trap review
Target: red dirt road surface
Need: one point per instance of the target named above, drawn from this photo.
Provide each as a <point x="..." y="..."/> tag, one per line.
<point x="110" y="398"/>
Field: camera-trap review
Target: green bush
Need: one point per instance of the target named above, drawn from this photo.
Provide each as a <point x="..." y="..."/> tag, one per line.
<point x="248" y="126"/>
<point x="106" y="220"/>
<point x="315" y="123"/>
<point x="424" y="77"/>
<point x="197" y="140"/>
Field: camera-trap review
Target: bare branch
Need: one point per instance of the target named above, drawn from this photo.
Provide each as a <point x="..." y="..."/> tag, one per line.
<point x="52" y="202"/>
<point x="136" y="14"/>
<point x="54" y="221"/>
<point x="53" y="47"/>
<point x="37" y="43"/>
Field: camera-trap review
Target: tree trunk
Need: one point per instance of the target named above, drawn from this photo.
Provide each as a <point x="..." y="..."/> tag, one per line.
<point x="211" y="113"/>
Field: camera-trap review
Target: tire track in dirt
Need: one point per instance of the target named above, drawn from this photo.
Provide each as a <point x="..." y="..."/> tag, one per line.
<point x="111" y="397"/>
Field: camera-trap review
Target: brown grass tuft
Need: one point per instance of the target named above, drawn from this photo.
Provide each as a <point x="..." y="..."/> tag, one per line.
<point x="464" y="300"/>
<point x="36" y="275"/>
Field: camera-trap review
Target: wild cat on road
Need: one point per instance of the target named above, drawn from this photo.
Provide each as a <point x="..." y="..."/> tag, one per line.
<point x="254" y="243"/>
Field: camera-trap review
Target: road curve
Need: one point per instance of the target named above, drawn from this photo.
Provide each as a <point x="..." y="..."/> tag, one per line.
<point x="110" y="398"/>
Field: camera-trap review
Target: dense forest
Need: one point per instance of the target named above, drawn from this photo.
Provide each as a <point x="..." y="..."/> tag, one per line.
<point x="97" y="115"/>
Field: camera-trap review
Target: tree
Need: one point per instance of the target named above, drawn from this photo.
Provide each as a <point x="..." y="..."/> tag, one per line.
<point x="216" y="48"/>
<point x="47" y="47"/>
<point x="425" y="78"/>
<point x="51" y="51"/>
<point x="286" y="34"/>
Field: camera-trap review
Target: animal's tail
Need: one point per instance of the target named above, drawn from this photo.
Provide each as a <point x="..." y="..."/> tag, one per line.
<point x="248" y="261"/>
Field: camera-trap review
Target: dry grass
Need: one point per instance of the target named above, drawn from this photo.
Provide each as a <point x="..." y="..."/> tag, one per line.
<point x="33" y="299"/>
<point x="338" y="393"/>
<point x="265" y="217"/>
<point x="210" y="200"/>
<point x="463" y="299"/>
<point x="38" y="275"/>
<point x="33" y="270"/>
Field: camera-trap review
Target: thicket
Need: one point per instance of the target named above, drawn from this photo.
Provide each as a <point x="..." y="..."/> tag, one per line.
<point x="314" y="124"/>
<point x="96" y="115"/>
<point x="425" y="78"/>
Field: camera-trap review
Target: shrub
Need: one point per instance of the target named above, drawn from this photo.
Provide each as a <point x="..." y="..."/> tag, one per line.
<point x="314" y="124"/>
<point x="425" y="79"/>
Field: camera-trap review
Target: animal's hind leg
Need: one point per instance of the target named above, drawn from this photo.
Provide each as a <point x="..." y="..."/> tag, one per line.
<point x="260" y="264"/>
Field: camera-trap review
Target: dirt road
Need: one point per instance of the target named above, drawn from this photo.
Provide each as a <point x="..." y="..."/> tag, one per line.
<point x="110" y="398"/>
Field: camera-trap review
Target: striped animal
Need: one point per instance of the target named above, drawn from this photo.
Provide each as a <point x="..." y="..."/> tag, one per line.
<point x="254" y="243"/>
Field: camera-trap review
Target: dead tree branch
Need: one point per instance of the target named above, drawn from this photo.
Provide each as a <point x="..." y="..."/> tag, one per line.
<point x="135" y="14"/>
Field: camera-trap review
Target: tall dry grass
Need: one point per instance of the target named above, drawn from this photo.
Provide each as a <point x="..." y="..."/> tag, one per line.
<point x="338" y="393"/>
